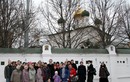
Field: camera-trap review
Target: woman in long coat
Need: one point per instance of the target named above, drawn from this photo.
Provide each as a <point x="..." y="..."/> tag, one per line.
<point x="32" y="73"/>
<point x="16" y="75"/>
<point x="103" y="73"/>
<point x="39" y="77"/>
<point x="82" y="72"/>
<point x="25" y="74"/>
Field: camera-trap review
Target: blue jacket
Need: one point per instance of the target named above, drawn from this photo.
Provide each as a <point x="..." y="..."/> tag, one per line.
<point x="67" y="74"/>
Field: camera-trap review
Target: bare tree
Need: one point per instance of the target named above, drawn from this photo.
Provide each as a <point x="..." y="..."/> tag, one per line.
<point x="8" y="21"/>
<point x="105" y="16"/>
<point x="12" y="22"/>
<point x="124" y="34"/>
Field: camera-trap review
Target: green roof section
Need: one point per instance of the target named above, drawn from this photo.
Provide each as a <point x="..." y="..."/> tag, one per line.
<point x="24" y="50"/>
<point x="62" y="51"/>
<point x="77" y="51"/>
<point x="123" y="51"/>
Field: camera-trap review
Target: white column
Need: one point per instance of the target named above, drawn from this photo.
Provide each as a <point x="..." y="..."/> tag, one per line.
<point x="113" y="68"/>
<point x="112" y="59"/>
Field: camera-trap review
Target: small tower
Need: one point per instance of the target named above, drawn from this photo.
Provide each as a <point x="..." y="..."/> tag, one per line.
<point x="46" y="49"/>
<point x="111" y="49"/>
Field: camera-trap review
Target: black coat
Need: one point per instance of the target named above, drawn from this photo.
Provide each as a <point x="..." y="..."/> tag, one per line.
<point x="103" y="74"/>
<point x="74" y="66"/>
<point x="8" y="71"/>
<point x="51" y="67"/>
<point x="90" y="71"/>
<point x="82" y="72"/>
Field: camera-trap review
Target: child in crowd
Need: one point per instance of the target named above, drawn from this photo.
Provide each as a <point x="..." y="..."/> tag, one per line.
<point x="56" y="77"/>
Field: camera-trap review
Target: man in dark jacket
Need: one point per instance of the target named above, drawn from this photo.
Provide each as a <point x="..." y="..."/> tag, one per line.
<point x="73" y="64"/>
<point x="51" y="67"/>
<point x="8" y="71"/>
<point x="46" y="73"/>
<point x="82" y="72"/>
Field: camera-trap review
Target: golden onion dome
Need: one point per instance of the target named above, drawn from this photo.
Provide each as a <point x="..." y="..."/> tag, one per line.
<point x="78" y="13"/>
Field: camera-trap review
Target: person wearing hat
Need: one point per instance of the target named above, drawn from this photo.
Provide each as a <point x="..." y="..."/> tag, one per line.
<point x="81" y="72"/>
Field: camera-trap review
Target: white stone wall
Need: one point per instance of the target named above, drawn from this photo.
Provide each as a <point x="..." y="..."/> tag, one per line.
<point x="118" y="65"/>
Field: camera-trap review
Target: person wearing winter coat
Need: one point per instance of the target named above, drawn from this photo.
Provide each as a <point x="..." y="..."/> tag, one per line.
<point x="46" y="73"/>
<point x="73" y="64"/>
<point x="39" y="77"/>
<point x="32" y="73"/>
<point x="103" y="73"/>
<point x="72" y="72"/>
<point x="16" y="75"/>
<point x="90" y="71"/>
<point x="51" y="67"/>
<point x="56" y="77"/>
<point x="56" y="69"/>
<point x="25" y="74"/>
<point x="82" y="72"/>
<point x="64" y="73"/>
<point x="8" y="71"/>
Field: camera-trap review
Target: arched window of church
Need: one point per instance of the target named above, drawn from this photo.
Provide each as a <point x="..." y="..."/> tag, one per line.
<point x="46" y="47"/>
<point x="111" y="48"/>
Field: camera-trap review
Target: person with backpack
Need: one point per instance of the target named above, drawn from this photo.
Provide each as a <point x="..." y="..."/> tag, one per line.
<point x="91" y="72"/>
<point x="103" y="73"/>
<point x="82" y="72"/>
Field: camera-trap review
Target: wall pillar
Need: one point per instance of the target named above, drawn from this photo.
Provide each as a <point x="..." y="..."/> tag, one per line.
<point x="112" y="61"/>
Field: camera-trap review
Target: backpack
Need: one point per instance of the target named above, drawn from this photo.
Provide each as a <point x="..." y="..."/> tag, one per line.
<point x="94" y="71"/>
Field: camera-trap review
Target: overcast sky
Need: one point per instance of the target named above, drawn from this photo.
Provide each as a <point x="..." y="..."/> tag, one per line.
<point x="37" y="2"/>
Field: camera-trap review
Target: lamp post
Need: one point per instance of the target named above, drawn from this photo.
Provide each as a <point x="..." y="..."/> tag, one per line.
<point x="61" y="22"/>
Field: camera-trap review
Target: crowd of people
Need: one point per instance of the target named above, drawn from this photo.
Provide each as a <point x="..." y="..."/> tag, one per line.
<point x="17" y="71"/>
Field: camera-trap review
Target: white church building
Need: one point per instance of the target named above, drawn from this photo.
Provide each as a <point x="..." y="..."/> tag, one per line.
<point x="117" y="60"/>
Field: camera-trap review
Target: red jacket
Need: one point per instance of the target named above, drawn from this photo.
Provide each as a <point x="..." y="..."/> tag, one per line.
<point x="72" y="73"/>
